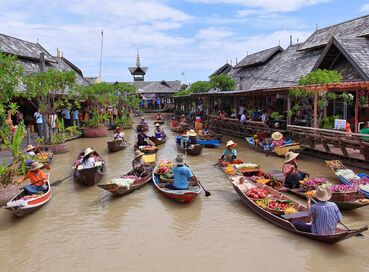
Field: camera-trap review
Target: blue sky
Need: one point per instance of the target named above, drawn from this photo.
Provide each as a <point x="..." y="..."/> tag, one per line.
<point x="195" y="36"/>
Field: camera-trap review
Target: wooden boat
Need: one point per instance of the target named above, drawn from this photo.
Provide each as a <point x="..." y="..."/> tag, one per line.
<point x="193" y="150"/>
<point x="147" y="149"/>
<point x="119" y="190"/>
<point x="161" y="122"/>
<point x="142" y="127"/>
<point x="113" y="146"/>
<point x="210" y="136"/>
<point x="240" y="185"/>
<point x="279" y="151"/>
<point x="23" y="204"/>
<point x="156" y="141"/>
<point x="336" y="165"/>
<point x="179" y="129"/>
<point x="89" y="176"/>
<point x="182" y="196"/>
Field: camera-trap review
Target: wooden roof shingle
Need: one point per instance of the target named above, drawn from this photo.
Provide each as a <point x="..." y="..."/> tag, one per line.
<point x="225" y="69"/>
<point x="358" y="27"/>
<point x="258" y="57"/>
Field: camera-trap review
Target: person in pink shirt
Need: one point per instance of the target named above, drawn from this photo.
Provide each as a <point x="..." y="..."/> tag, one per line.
<point x="277" y="140"/>
<point x="290" y="171"/>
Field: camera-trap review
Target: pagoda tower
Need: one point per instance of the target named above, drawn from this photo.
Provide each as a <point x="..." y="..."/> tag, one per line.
<point x="138" y="72"/>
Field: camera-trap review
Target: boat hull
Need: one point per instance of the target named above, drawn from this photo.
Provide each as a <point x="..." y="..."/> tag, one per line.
<point x="195" y="151"/>
<point x="91" y="176"/>
<point x="117" y="190"/>
<point x="113" y="146"/>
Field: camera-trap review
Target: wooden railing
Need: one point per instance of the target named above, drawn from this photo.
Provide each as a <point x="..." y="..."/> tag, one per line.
<point x="331" y="138"/>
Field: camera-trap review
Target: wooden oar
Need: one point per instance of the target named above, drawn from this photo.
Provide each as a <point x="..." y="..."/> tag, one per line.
<point x="207" y="193"/>
<point x="359" y="234"/>
<point x="57" y="182"/>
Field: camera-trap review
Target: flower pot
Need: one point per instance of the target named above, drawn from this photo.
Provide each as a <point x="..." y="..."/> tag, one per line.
<point x="8" y="193"/>
<point x="95" y="132"/>
<point x="57" y="148"/>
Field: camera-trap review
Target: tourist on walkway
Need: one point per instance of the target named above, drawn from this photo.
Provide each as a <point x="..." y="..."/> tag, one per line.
<point x="325" y="214"/>
<point x="66" y="115"/>
<point x="37" y="177"/>
<point x="265" y="116"/>
<point x="230" y="153"/>
<point x="243" y="119"/>
<point x="183" y="176"/>
<point x="75" y="117"/>
<point x="290" y="171"/>
<point x="52" y="120"/>
<point x="242" y="110"/>
<point x="365" y="130"/>
<point x="38" y="118"/>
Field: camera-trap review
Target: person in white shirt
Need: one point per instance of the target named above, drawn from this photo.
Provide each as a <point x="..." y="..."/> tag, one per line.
<point x="38" y="117"/>
<point x="242" y="110"/>
<point x="118" y="135"/>
<point x="88" y="160"/>
<point x="265" y="117"/>
<point x="243" y="118"/>
<point x="52" y="120"/>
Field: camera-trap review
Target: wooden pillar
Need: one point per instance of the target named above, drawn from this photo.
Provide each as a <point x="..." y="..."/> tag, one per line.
<point x="316" y="125"/>
<point x="357" y="112"/>
<point x="288" y="109"/>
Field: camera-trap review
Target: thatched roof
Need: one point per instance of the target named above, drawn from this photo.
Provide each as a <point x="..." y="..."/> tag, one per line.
<point x="225" y="69"/>
<point x="358" y="27"/>
<point x="159" y="87"/>
<point x="258" y="57"/>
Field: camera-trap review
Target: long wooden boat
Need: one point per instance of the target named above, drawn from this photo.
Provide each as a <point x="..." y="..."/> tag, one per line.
<point x="120" y="190"/>
<point x="210" y="136"/>
<point x="89" y="176"/>
<point x="356" y="203"/>
<point x="193" y="150"/>
<point x="113" y="146"/>
<point x="240" y="185"/>
<point x="336" y="165"/>
<point x="182" y="196"/>
<point x="179" y="129"/>
<point x="156" y="141"/>
<point x="23" y="204"/>
<point x="142" y="127"/>
<point x="161" y="122"/>
<point x="279" y="151"/>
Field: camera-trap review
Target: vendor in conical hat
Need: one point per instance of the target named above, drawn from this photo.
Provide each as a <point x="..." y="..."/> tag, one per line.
<point x="290" y="171"/>
<point x="325" y="214"/>
<point x="230" y="153"/>
<point x="192" y="136"/>
<point x="37" y="177"/>
<point x="158" y="131"/>
<point x="138" y="164"/>
<point x="88" y="160"/>
<point x="118" y="135"/>
<point x="278" y="140"/>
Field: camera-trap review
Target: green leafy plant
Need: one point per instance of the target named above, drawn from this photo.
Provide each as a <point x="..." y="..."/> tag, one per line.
<point x="328" y="122"/>
<point x="97" y="120"/>
<point x="347" y="98"/>
<point x="223" y="82"/>
<point x="276" y="116"/>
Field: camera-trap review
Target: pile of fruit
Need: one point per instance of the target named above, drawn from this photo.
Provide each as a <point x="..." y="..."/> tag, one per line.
<point x="224" y="163"/>
<point x="28" y="197"/>
<point x="277" y="206"/>
<point x="229" y="170"/>
<point x="148" y="148"/>
<point x="247" y="166"/>
<point x="340" y="188"/>
<point x="43" y="156"/>
<point x="165" y="167"/>
<point x="257" y="193"/>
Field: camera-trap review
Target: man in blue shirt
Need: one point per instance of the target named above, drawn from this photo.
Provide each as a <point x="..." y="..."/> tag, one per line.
<point x="39" y="121"/>
<point x="182" y="176"/>
<point x="75" y="117"/>
<point x="66" y="115"/>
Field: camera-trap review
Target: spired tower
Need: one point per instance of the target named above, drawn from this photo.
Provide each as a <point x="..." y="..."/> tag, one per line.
<point x="138" y="72"/>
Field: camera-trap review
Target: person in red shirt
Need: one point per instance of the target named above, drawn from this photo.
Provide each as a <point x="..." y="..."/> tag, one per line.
<point x="37" y="177"/>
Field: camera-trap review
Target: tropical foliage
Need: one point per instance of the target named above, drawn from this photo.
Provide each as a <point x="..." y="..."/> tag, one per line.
<point x="223" y="82"/>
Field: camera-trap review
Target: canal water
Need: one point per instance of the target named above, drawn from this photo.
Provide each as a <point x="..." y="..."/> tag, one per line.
<point x="85" y="229"/>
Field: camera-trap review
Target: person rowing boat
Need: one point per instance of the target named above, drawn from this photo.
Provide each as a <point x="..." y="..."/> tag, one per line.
<point x="37" y="177"/>
<point x="118" y="135"/>
<point x="230" y="153"/>
<point x="325" y="214"/>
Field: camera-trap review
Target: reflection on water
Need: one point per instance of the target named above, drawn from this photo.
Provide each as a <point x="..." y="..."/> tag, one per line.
<point x="86" y="229"/>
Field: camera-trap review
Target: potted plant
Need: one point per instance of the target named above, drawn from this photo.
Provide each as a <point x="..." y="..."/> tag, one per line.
<point x="95" y="126"/>
<point x="8" y="188"/>
<point x="123" y="120"/>
<point x="363" y="99"/>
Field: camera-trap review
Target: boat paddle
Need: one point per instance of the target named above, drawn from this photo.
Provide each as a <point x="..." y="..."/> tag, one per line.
<point x="207" y="193"/>
<point x="57" y="182"/>
<point x="359" y="234"/>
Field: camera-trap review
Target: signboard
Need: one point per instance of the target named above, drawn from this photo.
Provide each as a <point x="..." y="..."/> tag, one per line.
<point x="340" y="124"/>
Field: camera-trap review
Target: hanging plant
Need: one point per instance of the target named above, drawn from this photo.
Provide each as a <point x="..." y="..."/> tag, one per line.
<point x="347" y="98"/>
<point x="363" y="98"/>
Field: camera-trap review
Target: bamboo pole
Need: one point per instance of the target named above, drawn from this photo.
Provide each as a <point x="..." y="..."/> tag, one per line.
<point x="357" y="112"/>
<point x="316" y="109"/>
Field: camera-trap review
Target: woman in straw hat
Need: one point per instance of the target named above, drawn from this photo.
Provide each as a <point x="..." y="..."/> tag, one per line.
<point x="230" y="153"/>
<point x="138" y="164"/>
<point x="290" y="171"/>
<point x="119" y="135"/>
<point x="37" y="177"/>
<point x="88" y="160"/>
<point x="30" y="154"/>
<point x="192" y="135"/>
<point x="278" y="140"/>
<point x="325" y="214"/>
<point x="159" y="133"/>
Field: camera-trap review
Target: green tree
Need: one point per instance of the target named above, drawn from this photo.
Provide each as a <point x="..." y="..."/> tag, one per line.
<point x="51" y="90"/>
<point x="304" y="99"/>
<point x="196" y="87"/>
<point x="223" y="82"/>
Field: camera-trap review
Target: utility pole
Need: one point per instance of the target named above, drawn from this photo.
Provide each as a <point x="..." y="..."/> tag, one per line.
<point x="101" y="51"/>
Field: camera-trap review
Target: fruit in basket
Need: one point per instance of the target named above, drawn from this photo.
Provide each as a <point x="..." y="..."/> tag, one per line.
<point x="230" y="170"/>
<point x="256" y="193"/>
<point x="310" y="194"/>
<point x="290" y="210"/>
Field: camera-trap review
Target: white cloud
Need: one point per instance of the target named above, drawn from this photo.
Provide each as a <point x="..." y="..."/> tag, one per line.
<point x="246" y="12"/>
<point x="212" y="33"/>
<point x="365" y="8"/>
<point x="268" y="5"/>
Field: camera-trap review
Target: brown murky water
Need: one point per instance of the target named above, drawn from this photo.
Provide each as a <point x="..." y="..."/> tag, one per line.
<point x="85" y="229"/>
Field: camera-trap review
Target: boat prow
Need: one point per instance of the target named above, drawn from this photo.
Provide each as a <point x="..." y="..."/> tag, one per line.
<point x="23" y="204"/>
